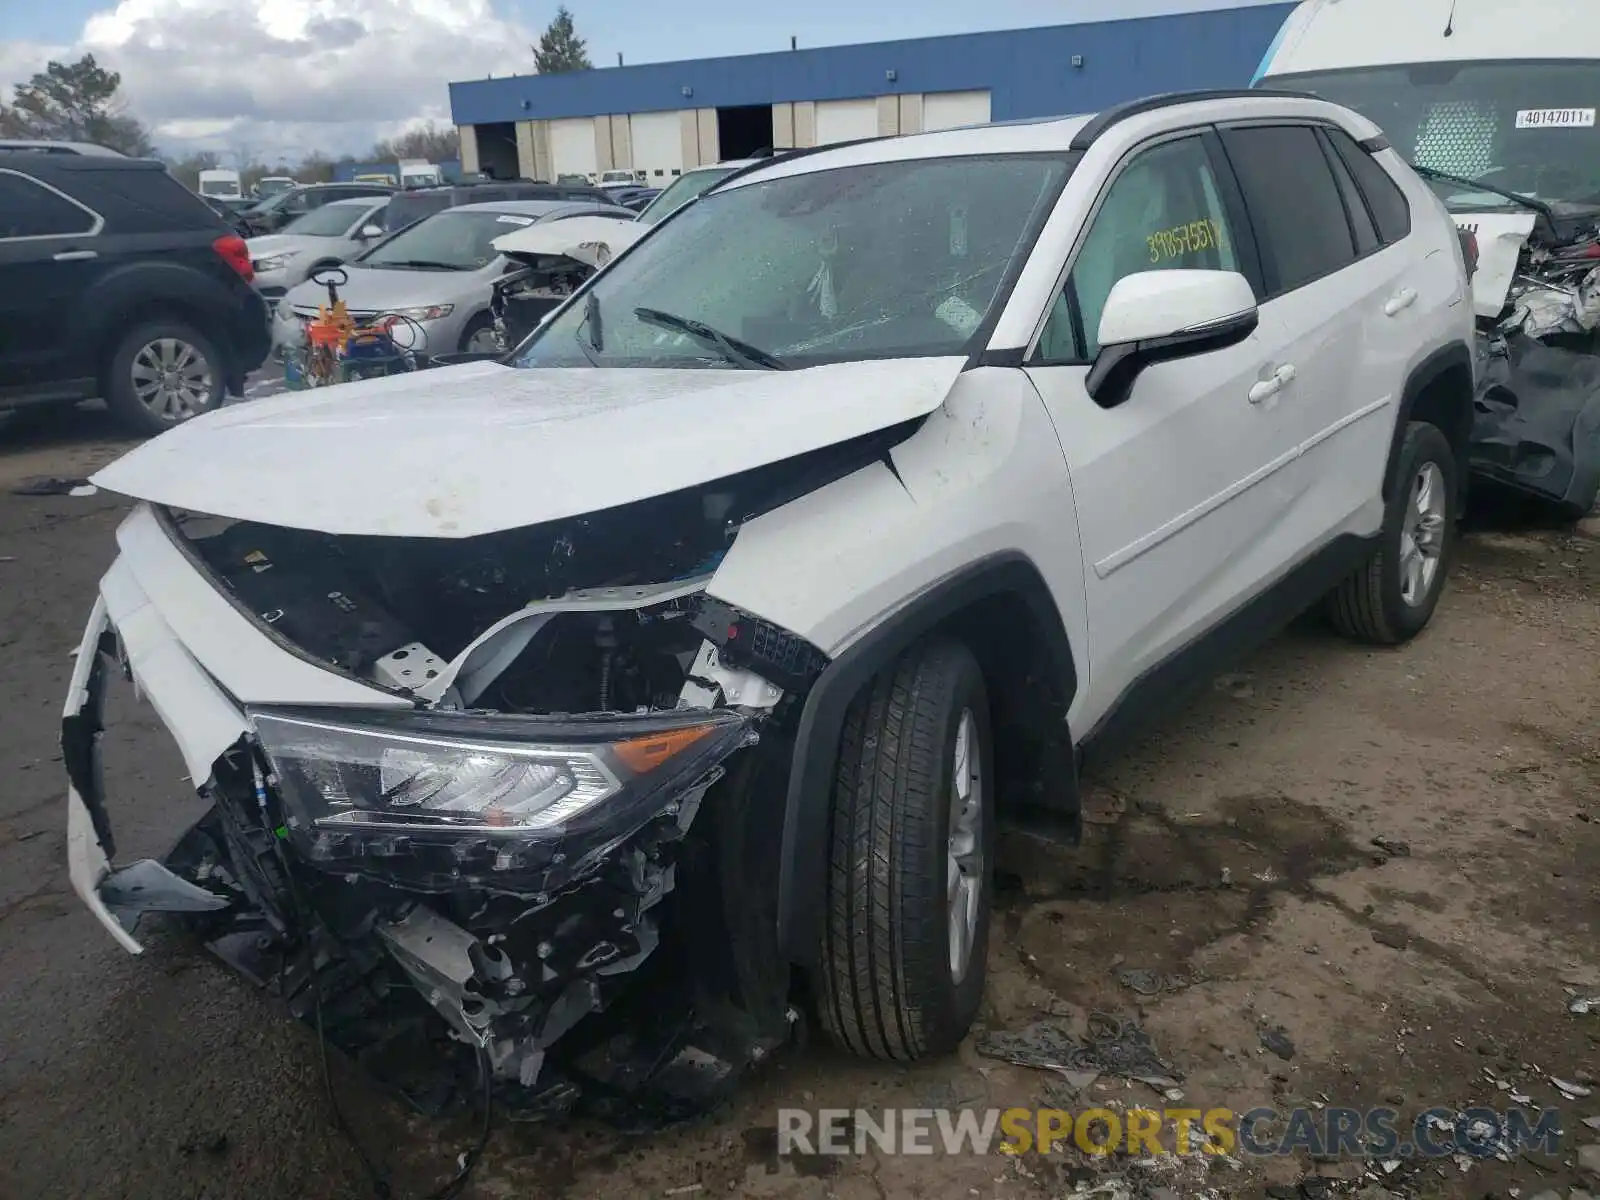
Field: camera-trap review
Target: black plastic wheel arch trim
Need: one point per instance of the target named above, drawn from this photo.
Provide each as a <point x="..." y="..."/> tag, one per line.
<point x="803" y="864"/>
<point x="1456" y="356"/>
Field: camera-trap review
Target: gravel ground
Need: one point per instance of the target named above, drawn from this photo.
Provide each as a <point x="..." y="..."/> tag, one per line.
<point x="1233" y="852"/>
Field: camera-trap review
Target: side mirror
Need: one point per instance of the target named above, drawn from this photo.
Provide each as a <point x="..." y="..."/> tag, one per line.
<point x="368" y="232"/>
<point x="1158" y="316"/>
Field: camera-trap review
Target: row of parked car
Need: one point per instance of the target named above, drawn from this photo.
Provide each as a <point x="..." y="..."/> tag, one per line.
<point x="454" y="263"/>
<point x="118" y="282"/>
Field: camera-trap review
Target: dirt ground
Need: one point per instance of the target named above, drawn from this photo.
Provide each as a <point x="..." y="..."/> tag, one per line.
<point x="1232" y="855"/>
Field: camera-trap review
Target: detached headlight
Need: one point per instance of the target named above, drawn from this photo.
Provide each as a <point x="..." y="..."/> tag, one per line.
<point x="460" y="773"/>
<point x="273" y="262"/>
<point x="434" y="312"/>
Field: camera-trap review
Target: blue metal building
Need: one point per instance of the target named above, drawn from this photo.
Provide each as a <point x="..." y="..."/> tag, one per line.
<point x="659" y="119"/>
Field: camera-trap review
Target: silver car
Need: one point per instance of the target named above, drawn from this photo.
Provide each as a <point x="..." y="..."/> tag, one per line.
<point x="436" y="275"/>
<point x="334" y="233"/>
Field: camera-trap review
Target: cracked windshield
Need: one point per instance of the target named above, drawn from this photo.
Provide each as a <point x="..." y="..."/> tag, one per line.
<point x="885" y="260"/>
<point x="1523" y="127"/>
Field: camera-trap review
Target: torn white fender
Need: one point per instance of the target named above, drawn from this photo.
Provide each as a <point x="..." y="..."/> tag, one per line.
<point x="1501" y="237"/>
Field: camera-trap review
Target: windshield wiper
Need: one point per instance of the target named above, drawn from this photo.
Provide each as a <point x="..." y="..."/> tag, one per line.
<point x="1477" y="185"/>
<point x="425" y="264"/>
<point x="731" y="348"/>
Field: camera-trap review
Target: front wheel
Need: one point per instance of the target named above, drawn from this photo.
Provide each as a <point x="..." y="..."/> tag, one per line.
<point x="480" y="337"/>
<point x="1390" y="598"/>
<point x="911" y="853"/>
<point x="161" y="374"/>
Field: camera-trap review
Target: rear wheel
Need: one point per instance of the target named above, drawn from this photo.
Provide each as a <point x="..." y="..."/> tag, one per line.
<point x="1391" y="597"/>
<point x="911" y="851"/>
<point x="161" y="374"/>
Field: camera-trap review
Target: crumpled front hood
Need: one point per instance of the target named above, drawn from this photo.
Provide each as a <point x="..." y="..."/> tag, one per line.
<point x="374" y="290"/>
<point x="455" y="452"/>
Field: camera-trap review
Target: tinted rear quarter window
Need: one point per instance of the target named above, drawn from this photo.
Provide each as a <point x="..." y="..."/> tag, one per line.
<point x="145" y="201"/>
<point x="1390" y="209"/>
<point x="1361" y="226"/>
<point x="1294" y="204"/>
<point x="28" y="209"/>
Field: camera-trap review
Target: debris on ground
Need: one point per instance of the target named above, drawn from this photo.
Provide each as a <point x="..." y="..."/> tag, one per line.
<point x="50" y="485"/>
<point x="1582" y="1006"/>
<point x="1589" y="1159"/>
<point x="1572" y="1091"/>
<point x="1114" y="1046"/>
<point x="1148" y="982"/>
<point x="1276" y="1039"/>
<point x="1391" y="847"/>
<point x="1102" y="806"/>
<point x="1395" y="939"/>
<point x="1237" y="685"/>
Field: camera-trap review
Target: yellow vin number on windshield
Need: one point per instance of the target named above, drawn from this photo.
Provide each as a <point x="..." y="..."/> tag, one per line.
<point x="1189" y="238"/>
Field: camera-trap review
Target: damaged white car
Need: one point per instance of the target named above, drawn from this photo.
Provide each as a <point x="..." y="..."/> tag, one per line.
<point x="1496" y="106"/>
<point x="590" y="717"/>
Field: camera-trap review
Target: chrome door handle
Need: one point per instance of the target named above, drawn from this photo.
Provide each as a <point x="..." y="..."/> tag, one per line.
<point x="75" y="255"/>
<point x="1402" y="299"/>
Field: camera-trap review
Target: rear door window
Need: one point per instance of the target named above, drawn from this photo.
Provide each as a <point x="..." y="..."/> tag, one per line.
<point x="1294" y="204"/>
<point x="29" y="209"/>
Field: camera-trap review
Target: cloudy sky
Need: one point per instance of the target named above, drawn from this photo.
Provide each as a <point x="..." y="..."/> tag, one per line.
<point x="281" y="77"/>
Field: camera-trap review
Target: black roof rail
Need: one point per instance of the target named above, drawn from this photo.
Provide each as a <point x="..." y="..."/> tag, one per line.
<point x="787" y="155"/>
<point x="1104" y="120"/>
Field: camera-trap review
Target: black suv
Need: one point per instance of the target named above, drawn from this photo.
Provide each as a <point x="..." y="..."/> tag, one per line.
<point x="276" y="211"/>
<point x="116" y="281"/>
<point x="411" y="206"/>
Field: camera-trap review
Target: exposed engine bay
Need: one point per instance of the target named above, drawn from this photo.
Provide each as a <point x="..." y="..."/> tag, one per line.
<point x="525" y="297"/>
<point x="1537" y="429"/>
<point x="450" y="885"/>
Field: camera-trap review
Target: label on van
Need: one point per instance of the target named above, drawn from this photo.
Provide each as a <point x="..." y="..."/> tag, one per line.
<point x="511" y="219"/>
<point x="1555" y="118"/>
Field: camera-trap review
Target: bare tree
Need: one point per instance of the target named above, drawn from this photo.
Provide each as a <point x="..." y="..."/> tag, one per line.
<point x="436" y="143"/>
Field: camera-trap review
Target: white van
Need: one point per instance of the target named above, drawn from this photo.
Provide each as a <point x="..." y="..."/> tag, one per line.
<point x="220" y="185"/>
<point x="1495" y="102"/>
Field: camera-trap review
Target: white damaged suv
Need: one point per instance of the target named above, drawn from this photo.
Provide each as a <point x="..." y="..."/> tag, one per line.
<point x="634" y="696"/>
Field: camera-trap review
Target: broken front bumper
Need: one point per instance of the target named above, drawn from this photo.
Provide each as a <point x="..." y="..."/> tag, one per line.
<point x="504" y="943"/>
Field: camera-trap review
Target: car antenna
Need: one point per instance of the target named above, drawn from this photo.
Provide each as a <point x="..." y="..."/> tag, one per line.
<point x="1450" y="21"/>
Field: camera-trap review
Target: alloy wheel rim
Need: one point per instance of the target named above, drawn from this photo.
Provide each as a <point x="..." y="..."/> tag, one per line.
<point x="1422" y="534"/>
<point x="964" y="849"/>
<point x="172" y="379"/>
<point x="484" y="341"/>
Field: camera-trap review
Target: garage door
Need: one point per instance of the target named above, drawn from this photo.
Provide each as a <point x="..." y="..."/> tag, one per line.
<point x="572" y="150"/>
<point x="951" y="110"/>
<point x="843" y="120"/>
<point x="658" y="145"/>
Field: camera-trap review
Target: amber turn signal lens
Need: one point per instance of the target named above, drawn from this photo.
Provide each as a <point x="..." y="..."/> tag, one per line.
<point x="642" y="755"/>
